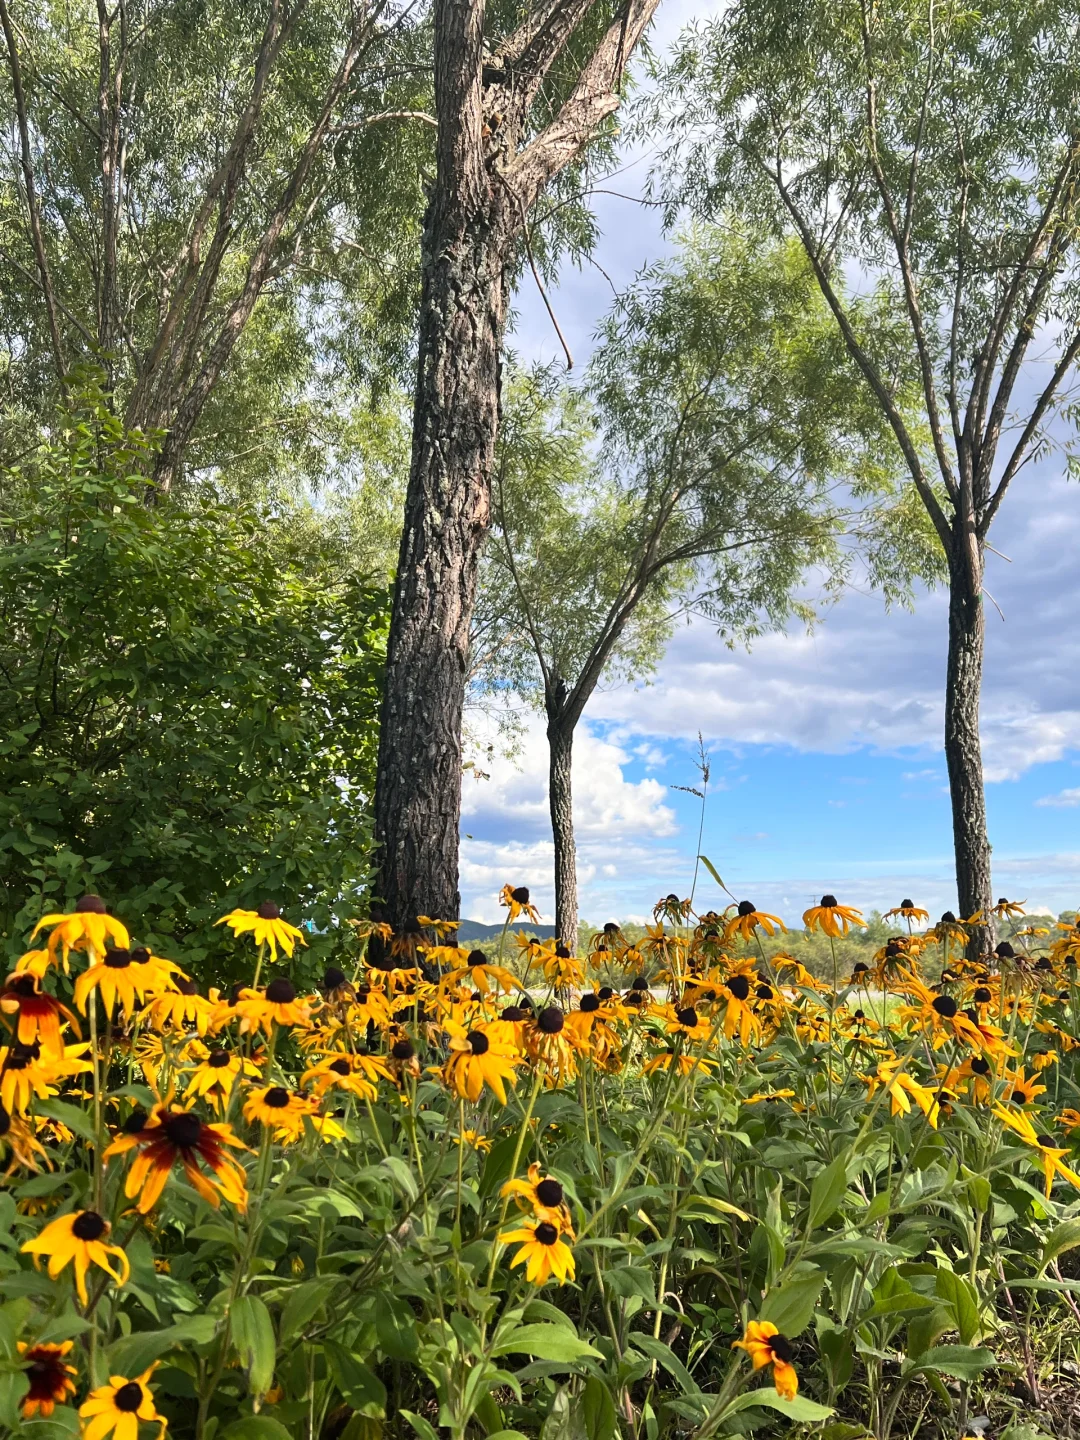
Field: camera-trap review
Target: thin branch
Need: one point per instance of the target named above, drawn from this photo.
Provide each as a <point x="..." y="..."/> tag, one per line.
<point x="33" y="211"/>
<point x="348" y="125"/>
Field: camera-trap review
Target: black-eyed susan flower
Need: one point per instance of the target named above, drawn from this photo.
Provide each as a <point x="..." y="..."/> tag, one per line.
<point x="38" y="1013"/>
<point x="474" y="1140"/>
<point x="1069" y="1120"/>
<point x="517" y="901"/>
<point x="831" y="917"/>
<point x="685" y="1020"/>
<point x="940" y="1015"/>
<point x="266" y="927"/>
<point x="482" y="975"/>
<point x="88" y="927"/>
<point x="907" y="910"/>
<point x="181" y="1009"/>
<point x="25" y="1072"/>
<point x="739" y="1017"/>
<point x="672" y="909"/>
<point x="278" y="1004"/>
<point x="217" y="1072"/>
<point x="78" y="1239"/>
<point x="1022" y="1089"/>
<point x="50" y="1377"/>
<point x="749" y="918"/>
<point x="546" y="1039"/>
<point x="477" y="1059"/>
<point x="280" y="1110"/>
<point x="18" y="1141"/>
<point x="174" y="1134"/>
<point x="125" y="976"/>
<point x="902" y="1088"/>
<point x="683" y="1062"/>
<point x="544" y="1195"/>
<point x="1049" y="1152"/>
<point x="119" y="1406"/>
<point x="542" y="1251"/>
<point x="765" y="1345"/>
<point x="356" y="1074"/>
<point x="1005" y="909"/>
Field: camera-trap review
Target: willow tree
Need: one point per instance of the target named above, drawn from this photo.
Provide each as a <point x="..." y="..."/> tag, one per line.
<point x="516" y="104"/>
<point x="217" y="202"/>
<point x="717" y="452"/>
<point x="933" y="150"/>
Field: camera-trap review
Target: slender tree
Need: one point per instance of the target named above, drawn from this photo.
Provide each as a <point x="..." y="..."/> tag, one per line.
<point x="513" y="109"/>
<point x="731" y="454"/>
<point x="933" y="149"/>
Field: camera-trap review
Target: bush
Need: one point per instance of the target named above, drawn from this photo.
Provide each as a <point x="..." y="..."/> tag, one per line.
<point x="187" y="690"/>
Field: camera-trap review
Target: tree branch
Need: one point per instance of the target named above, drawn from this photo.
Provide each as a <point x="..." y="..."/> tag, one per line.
<point x="26" y="160"/>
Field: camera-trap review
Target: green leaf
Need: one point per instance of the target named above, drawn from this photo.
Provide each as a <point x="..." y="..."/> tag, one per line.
<point x="76" y="1120"/>
<point x="136" y="1352"/>
<point x="799" y="1410"/>
<point x="253" y="1337"/>
<point x="546" y="1342"/>
<point x="597" y="1410"/>
<point x="13" y="1387"/>
<point x="962" y="1362"/>
<point x="696" y="1204"/>
<point x="959" y="1293"/>
<point x="663" y="1355"/>
<point x="713" y="872"/>
<point x="791" y="1306"/>
<point x="828" y="1190"/>
<point x="361" y="1387"/>
<point x="1065" y="1236"/>
<point x="256" y="1427"/>
<point x="395" y="1327"/>
<point x="423" y="1428"/>
<point x="303" y="1303"/>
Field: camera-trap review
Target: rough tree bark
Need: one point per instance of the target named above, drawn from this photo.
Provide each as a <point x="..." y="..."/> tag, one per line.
<point x="963" y="747"/>
<point x="560" y="733"/>
<point x="488" y="177"/>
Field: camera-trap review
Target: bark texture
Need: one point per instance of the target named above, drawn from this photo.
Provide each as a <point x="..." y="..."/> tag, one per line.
<point x="963" y="748"/>
<point x="490" y="169"/>
<point x="561" y="804"/>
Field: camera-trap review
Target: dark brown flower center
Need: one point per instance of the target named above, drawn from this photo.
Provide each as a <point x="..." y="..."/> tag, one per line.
<point x="549" y="1192"/>
<point x="129" y="1397"/>
<point x="88" y="1225"/>
<point x="980" y="1065"/>
<point x="90" y="905"/>
<point x="1047" y="1142"/>
<point x="687" y="1016"/>
<point x="267" y="910"/>
<point x="333" y="978"/>
<point x="550" y="1020"/>
<point x="218" y="1059"/>
<point x="281" y="991"/>
<point x="187" y="987"/>
<point x="945" y="1006"/>
<point x="277" y="1097"/>
<point x="907" y="904"/>
<point x="520" y="894"/>
<point x="747" y="907"/>
<point x="118" y="959"/>
<point x="183" y="1130"/>
<point x="402" y="1050"/>
<point x="476" y="957"/>
<point x="1019" y="1098"/>
<point x="479" y="1043"/>
<point x="140" y="955"/>
<point x="546" y="1233"/>
<point x="605" y="992"/>
<point x="828" y="902"/>
<point x="341" y="1067"/>
<point x="781" y="1348"/>
<point x="763" y="991"/>
<point x="513" y="1012"/>
<point x="589" y="1003"/>
<point x="135" y="1121"/>
<point x="23" y="986"/>
<point x="739" y="986"/>
<point x="983" y="996"/>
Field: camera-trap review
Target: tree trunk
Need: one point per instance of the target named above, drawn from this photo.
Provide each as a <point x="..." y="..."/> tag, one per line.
<point x="418" y="793"/>
<point x="963" y="749"/>
<point x="560" y="801"/>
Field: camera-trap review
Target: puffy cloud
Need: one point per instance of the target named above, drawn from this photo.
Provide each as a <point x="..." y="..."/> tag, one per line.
<point x="618" y="823"/>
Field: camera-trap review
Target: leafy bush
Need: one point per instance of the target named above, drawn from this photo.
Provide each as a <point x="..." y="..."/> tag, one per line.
<point x="187" y="690"/>
<point x="555" y="1209"/>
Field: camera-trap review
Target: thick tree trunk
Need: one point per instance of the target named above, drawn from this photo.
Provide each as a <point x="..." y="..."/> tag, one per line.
<point x="963" y="749"/>
<point x="560" y="801"/>
<point x="418" y="794"/>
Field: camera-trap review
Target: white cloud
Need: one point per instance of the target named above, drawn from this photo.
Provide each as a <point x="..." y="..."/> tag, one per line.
<point x="617" y="823"/>
<point x="1064" y="800"/>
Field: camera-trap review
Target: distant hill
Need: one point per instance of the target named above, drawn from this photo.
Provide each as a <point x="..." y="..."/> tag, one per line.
<point x="474" y="930"/>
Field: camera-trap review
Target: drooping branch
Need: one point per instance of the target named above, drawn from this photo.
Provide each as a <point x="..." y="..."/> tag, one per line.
<point x="30" y="188"/>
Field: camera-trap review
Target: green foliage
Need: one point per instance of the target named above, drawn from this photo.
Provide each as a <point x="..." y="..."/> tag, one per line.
<point x="189" y="695"/>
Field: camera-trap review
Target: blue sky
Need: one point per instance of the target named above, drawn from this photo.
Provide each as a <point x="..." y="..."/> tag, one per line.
<point x="828" y="771"/>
